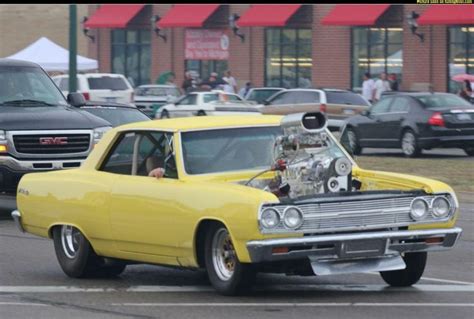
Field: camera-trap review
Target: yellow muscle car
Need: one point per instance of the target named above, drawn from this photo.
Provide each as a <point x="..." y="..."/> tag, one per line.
<point x="240" y="195"/>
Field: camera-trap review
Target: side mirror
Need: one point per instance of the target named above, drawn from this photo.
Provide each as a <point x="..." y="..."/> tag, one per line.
<point x="365" y="113"/>
<point x="76" y="99"/>
<point x="266" y="102"/>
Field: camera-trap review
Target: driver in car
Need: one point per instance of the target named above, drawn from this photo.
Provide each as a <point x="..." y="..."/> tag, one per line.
<point x="158" y="172"/>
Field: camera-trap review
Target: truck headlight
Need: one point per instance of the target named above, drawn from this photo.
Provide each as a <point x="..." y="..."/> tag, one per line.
<point x="3" y="142"/>
<point x="418" y="209"/>
<point x="270" y="218"/>
<point x="292" y="217"/>
<point x="99" y="133"/>
<point x="441" y="207"/>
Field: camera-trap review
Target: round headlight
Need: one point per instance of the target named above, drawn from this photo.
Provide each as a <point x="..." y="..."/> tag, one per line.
<point x="292" y="217"/>
<point x="441" y="207"/>
<point x="419" y="209"/>
<point x="270" y="218"/>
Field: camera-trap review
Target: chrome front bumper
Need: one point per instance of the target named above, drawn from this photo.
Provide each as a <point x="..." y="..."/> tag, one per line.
<point x="16" y="215"/>
<point x="353" y="245"/>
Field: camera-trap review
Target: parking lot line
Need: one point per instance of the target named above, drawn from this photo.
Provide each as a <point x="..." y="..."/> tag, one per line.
<point x="290" y="287"/>
<point x="22" y="304"/>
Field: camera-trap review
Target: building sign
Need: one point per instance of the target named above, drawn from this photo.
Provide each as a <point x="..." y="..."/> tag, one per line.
<point x="206" y="44"/>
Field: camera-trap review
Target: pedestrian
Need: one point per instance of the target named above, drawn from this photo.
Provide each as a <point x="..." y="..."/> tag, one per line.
<point x="231" y="83"/>
<point x="393" y="82"/>
<point x="213" y="82"/>
<point x="381" y="85"/>
<point x="368" y="87"/>
<point x="187" y="85"/>
<point x="466" y="91"/>
<point x="245" y="90"/>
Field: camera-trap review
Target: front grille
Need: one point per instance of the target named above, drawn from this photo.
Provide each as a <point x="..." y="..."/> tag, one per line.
<point x="52" y="143"/>
<point x="355" y="215"/>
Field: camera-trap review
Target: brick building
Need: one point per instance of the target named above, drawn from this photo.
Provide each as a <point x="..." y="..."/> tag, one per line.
<point x="286" y="45"/>
<point x="23" y="24"/>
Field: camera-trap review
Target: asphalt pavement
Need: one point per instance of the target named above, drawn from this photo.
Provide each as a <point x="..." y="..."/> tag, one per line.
<point x="32" y="285"/>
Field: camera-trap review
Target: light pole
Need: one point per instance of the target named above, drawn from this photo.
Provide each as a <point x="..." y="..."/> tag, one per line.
<point x="72" y="48"/>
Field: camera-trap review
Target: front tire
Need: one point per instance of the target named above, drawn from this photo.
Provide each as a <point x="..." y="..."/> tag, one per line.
<point x="469" y="151"/>
<point x="201" y="113"/>
<point x="409" y="144"/>
<point x="409" y="276"/>
<point x="77" y="257"/>
<point x="226" y="274"/>
<point x="165" y="114"/>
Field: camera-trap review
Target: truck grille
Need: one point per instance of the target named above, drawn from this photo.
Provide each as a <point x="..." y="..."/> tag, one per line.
<point x="354" y="215"/>
<point x="52" y="143"/>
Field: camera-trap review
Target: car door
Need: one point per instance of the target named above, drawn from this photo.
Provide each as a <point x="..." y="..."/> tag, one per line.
<point x="279" y="103"/>
<point x="393" y="120"/>
<point x="372" y="131"/>
<point x="144" y="210"/>
<point x="186" y="106"/>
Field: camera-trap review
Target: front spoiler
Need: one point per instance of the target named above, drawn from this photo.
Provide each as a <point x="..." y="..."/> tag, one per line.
<point x="351" y="246"/>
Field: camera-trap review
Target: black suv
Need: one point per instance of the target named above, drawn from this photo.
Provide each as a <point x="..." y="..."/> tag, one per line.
<point x="39" y="129"/>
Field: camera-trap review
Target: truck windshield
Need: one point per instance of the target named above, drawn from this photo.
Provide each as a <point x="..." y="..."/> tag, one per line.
<point x="28" y="86"/>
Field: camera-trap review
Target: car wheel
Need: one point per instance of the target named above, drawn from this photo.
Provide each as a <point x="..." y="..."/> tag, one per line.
<point x="409" y="144"/>
<point x="165" y="114"/>
<point x="469" y="151"/>
<point x="201" y="113"/>
<point x="415" y="263"/>
<point x="353" y="142"/>
<point x="76" y="256"/>
<point x="226" y="274"/>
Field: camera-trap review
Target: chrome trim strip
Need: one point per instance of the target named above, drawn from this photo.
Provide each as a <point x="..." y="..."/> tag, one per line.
<point x="16" y="215"/>
<point x="261" y="250"/>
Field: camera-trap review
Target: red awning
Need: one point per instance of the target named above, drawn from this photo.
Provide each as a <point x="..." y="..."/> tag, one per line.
<point x="448" y="14"/>
<point x="267" y="15"/>
<point x="113" y="16"/>
<point x="187" y="15"/>
<point x="355" y="14"/>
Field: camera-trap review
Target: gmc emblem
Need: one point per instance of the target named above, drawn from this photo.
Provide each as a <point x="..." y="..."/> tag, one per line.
<point x="53" y="140"/>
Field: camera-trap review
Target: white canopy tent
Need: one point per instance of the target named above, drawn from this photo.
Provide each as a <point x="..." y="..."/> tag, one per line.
<point x="52" y="57"/>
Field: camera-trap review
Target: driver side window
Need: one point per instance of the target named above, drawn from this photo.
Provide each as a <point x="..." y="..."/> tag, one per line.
<point x="137" y="153"/>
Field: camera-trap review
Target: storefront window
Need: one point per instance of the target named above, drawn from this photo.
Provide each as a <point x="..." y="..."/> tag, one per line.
<point x="131" y="55"/>
<point x="461" y="54"/>
<point x="288" y="59"/>
<point x="205" y="67"/>
<point x="376" y="50"/>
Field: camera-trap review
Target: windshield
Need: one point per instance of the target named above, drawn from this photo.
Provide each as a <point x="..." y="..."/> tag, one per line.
<point x="157" y="91"/>
<point x="26" y="85"/>
<point x="225" y="150"/>
<point x="443" y="101"/>
<point x="107" y="83"/>
<point x="118" y="116"/>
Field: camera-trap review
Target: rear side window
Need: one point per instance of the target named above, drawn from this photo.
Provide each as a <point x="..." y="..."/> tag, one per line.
<point x="348" y="98"/>
<point x="64" y="84"/>
<point x="283" y="98"/>
<point x="306" y="97"/>
<point x="107" y="83"/>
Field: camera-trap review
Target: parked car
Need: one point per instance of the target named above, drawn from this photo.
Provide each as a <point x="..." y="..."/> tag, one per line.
<point x="115" y="113"/>
<point x="106" y="87"/>
<point x="39" y="130"/>
<point x="259" y="95"/>
<point x="237" y="197"/>
<point x="207" y="103"/>
<point x="338" y="105"/>
<point x="413" y="122"/>
<point x="150" y="98"/>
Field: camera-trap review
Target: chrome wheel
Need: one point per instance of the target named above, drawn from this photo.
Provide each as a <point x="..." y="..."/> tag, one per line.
<point x="223" y="255"/>
<point x="70" y="238"/>
<point x="408" y="143"/>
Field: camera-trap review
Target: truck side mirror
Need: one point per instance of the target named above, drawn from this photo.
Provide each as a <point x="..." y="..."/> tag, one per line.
<point x="76" y="99"/>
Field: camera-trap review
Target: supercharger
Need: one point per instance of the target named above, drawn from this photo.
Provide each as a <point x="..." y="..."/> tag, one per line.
<point x="314" y="164"/>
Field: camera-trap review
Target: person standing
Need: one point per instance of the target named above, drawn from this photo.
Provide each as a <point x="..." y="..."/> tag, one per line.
<point x="368" y="87"/>
<point x="245" y="90"/>
<point x="231" y="83"/>
<point x="466" y="91"/>
<point x="381" y="85"/>
<point x="393" y="82"/>
<point x="187" y="85"/>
